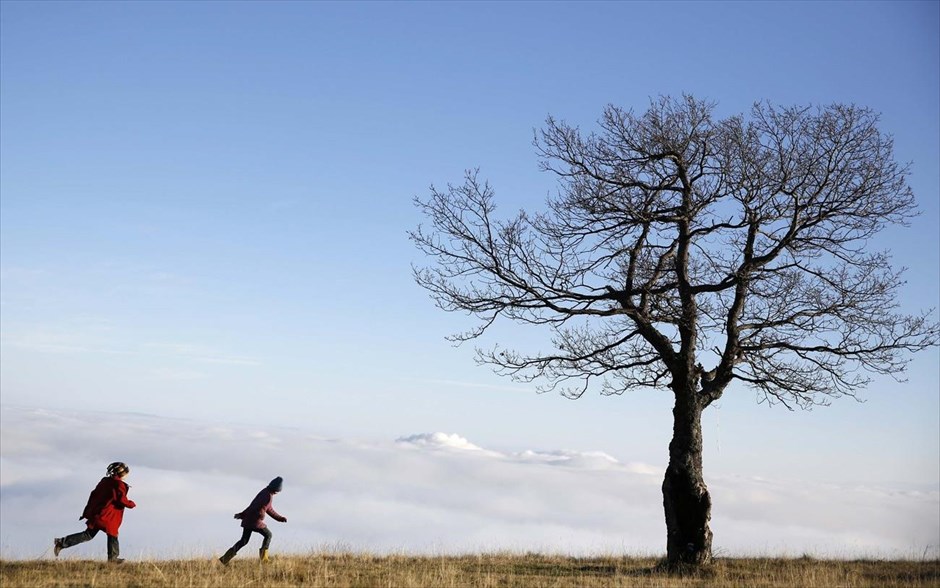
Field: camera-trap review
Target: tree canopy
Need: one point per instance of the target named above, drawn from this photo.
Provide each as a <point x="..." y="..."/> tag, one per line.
<point x="735" y="249"/>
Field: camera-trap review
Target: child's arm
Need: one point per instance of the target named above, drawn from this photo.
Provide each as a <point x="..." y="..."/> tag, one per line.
<point x="281" y="519"/>
<point x="122" y="498"/>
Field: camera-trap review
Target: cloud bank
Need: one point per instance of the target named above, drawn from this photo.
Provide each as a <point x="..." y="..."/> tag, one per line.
<point x="430" y="493"/>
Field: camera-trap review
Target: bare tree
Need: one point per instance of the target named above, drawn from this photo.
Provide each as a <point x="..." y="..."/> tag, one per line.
<point x="684" y="252"/>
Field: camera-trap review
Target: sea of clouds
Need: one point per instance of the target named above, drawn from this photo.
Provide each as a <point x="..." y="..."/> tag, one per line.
<point x="428" y="493"/>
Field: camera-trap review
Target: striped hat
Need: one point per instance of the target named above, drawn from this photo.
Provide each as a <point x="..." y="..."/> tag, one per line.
<point x="118" y="468"/>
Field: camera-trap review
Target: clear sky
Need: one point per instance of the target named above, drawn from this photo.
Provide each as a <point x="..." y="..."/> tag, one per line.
<point x="204" y="207"/>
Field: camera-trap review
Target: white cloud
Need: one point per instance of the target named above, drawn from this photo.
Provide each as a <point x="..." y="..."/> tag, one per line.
<point x="586" y="460"/>
<point x="439" y="441"/>
<point x="427" y="493"/>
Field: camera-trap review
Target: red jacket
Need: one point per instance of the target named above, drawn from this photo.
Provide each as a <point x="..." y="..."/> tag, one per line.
<point x="253" y="516"/>
<point x="106" y="504"/>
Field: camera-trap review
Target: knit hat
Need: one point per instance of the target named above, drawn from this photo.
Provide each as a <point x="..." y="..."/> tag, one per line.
<point x="276" y="484"/>
<point x="118" y="469"/>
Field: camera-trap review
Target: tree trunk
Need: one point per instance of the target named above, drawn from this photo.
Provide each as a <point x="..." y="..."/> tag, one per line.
<point x="686" y="500"/>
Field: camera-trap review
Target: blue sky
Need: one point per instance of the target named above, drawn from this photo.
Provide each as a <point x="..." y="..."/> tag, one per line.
<point x="205" y="205"/>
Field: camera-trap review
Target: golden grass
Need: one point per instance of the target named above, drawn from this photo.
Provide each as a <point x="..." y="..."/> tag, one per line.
<point x="488" y="570"/>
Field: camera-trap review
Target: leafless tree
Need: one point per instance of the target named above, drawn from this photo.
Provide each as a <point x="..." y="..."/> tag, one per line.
<point x="685" y="252"/>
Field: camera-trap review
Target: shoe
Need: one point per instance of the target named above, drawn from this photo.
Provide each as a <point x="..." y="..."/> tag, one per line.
<point x="227" y="557"/>
<point x="57" y="546"/>
<point x="263" y="554"/>
<point x="116" y="560"/>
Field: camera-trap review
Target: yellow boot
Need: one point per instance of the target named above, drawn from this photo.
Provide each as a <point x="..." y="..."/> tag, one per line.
<point x="263" y="554"/>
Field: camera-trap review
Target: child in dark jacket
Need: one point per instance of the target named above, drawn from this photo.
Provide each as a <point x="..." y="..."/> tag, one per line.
<point x="104" y="512"/>
<point x="253" y="521"/>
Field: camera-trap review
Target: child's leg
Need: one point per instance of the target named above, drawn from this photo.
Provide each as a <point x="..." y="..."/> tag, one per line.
<point x="267" y="534"/>
<point x="263" y="552"/>
<point x="114" y="548"/>
<point x="228" y="555"/>
<point x="76" y="538"/>
<point x="246" y="535"/>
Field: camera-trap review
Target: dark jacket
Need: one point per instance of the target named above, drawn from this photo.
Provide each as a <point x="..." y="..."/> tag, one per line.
<point x="106" y="504"/>
<point x="253" y="516"/>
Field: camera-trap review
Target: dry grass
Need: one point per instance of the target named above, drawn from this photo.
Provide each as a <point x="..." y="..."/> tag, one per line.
<point x="493" y="570"/>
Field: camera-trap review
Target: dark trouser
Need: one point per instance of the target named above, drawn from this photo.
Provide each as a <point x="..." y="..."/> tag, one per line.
<point x="246" y="535"/>
<point x="114" y="549"/>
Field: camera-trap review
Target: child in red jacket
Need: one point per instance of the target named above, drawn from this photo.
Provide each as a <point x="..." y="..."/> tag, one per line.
<point x="253" y="520"/>
<point x="104" y="512"/>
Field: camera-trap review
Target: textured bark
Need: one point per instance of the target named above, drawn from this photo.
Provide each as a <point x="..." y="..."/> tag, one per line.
<point x="686" y="500"/>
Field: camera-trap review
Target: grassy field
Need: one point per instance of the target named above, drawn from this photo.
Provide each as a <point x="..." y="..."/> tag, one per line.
<point x="468" y="570"/>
